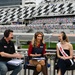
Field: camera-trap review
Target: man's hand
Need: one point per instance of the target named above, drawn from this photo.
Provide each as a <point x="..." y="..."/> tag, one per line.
<point x="15" y="55"/>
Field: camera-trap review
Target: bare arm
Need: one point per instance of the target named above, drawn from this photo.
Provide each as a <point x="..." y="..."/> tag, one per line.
<point x="15" y="55"/>
<point x="71" y="52"/>
<point x="58" y="55"/>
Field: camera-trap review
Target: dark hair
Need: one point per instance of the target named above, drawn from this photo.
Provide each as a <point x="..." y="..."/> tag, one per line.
<point x="64" y="36"/>
<point x="7" y="32"/>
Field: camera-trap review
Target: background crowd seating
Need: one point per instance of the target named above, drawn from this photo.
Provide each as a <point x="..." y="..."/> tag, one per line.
<point x="51" y="9"/>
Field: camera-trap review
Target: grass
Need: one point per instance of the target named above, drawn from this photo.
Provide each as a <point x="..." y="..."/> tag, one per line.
<point x="52" y="45"/>
<point x="24" y="46"/>
<point x="73" y="46"/>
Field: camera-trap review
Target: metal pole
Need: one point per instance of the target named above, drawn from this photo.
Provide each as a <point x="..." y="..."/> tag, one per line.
<point x="49" y="41"/>
<point x="16" y="40"/>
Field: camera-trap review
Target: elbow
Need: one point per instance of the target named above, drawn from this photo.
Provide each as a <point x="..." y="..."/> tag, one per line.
<point x="71" y="57"/>
<point x="58" y="56"/>
<point x="28" y="54"/>
<point x="2" y="54"/>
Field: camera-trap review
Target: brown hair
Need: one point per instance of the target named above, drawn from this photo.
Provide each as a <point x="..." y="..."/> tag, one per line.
<point x="64" y="36"/>
<point x="35" y="37"/>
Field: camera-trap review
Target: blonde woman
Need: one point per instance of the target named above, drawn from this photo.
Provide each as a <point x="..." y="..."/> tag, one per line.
<point x="64" y="53"/>
<point x="37" y="49"/>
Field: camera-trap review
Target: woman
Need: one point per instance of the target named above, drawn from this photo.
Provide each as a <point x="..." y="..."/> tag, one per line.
<point x="37" y="49"/>
<point x="64" y="53"/>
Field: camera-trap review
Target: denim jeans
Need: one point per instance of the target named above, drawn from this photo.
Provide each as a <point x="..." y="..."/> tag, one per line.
<point x="4" y="68"/>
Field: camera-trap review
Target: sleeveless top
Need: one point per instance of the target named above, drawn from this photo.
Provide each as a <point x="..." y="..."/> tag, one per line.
<point x="38" y="50"/>
<point x="66" y="51"/>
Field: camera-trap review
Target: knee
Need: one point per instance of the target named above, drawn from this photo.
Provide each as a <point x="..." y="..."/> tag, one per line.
<point x="20" y="67"/>
<point x="59" y="72"/>
<point x="3" y="69"/>
<point x="42" y="62"/>
<point x="30" y="61"/>
<point x="38" y="68"/>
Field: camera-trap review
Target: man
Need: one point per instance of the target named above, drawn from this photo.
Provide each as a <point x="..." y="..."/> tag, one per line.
<point x="7" y="52"/>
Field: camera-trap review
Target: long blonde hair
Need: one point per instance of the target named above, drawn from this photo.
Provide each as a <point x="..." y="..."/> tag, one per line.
<point x="35" y="37"/>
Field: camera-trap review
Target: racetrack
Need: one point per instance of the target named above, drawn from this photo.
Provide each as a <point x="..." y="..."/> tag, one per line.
<point x="47" y="37"/>
<point x="51" y="38"/>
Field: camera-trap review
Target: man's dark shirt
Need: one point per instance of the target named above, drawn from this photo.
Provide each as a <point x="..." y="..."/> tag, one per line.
<point x="7" y="48"/>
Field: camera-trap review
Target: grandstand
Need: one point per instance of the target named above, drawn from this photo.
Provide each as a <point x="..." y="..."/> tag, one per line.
<point x="17" y="3"/>
<point x="49" y="16"/>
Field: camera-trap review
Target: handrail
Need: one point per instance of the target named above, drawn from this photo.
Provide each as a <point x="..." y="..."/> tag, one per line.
<point x="52" y="51"/>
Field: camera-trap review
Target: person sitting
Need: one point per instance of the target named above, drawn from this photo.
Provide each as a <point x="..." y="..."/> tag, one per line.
<point x="7" y="52"/>
<point x="37" y="49"/>
<point x="64" y="53"/>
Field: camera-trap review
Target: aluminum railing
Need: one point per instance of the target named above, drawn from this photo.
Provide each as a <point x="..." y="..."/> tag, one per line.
<point x="50" y="59"/>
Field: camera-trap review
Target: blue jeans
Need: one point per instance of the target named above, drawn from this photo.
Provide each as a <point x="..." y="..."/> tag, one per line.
<point x="4" y="68"/>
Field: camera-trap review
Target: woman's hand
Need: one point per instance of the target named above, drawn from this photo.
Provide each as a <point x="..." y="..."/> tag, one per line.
<point x="37" y="54"/>
<point x="64" y="58"/>
<point x="47" y="53"/>
<point x="61" y="57"/>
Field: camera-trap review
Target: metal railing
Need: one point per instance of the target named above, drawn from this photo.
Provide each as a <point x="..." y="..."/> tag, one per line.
<point x="50" y="59"/>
